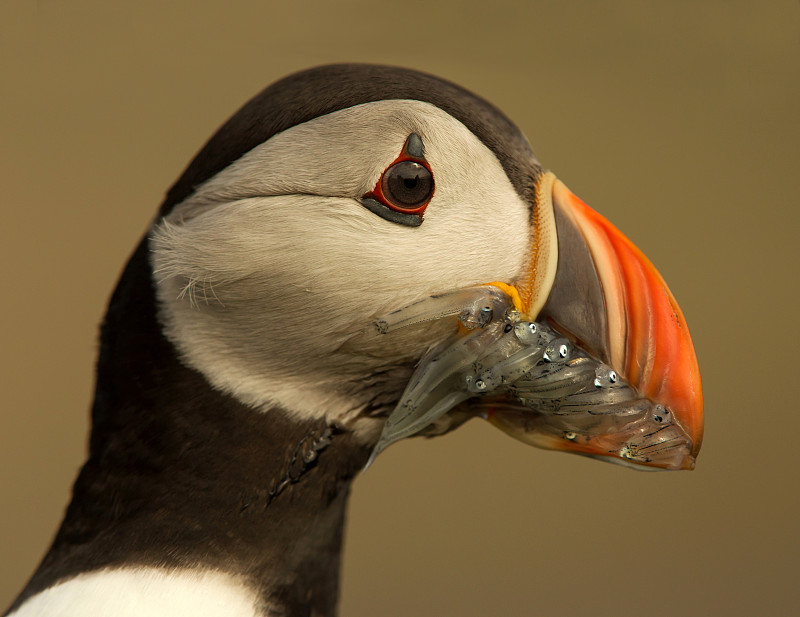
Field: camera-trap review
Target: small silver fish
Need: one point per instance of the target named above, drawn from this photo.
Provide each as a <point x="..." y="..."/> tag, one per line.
<point x="532" y="382"/>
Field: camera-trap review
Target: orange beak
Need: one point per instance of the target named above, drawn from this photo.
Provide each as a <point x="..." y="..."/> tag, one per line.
<point x="609" y="299"/>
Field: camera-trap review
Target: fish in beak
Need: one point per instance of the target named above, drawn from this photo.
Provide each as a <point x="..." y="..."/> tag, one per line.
<point x="588" y="352"/>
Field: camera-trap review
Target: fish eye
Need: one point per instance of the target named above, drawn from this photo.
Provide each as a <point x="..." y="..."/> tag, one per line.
<point x="661" y="414"/>
<point x="407" y="185"/>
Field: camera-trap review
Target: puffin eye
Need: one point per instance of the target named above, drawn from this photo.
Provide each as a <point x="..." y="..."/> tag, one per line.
<point x="405" y="188"/>
<point x="407" y="185"/>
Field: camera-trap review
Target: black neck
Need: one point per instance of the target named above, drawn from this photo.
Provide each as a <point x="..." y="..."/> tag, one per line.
<point x="180" y="475"/>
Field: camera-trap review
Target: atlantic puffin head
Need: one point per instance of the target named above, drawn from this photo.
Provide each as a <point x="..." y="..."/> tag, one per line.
<point x="341" y="193"/>
<point x="241" y="384"/>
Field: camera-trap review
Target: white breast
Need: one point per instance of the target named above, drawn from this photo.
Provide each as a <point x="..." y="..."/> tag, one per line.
<point x="144" y="592"/>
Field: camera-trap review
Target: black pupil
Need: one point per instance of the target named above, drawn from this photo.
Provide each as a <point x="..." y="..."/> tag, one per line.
<point x="408" y="184"/>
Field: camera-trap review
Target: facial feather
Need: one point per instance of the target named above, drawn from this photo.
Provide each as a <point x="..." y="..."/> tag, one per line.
<point x="271" y="273"/>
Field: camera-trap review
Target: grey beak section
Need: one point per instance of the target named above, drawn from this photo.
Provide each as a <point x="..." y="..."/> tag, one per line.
<point x="576" y="305"/>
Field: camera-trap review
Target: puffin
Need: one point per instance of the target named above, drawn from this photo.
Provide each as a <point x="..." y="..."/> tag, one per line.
<point x="241" y="386"/>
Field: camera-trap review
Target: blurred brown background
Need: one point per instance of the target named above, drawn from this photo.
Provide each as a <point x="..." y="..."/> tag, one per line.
<point x="677" y="120"/>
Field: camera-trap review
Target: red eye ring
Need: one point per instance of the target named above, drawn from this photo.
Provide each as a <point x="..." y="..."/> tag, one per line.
<point x="407" y="185"/>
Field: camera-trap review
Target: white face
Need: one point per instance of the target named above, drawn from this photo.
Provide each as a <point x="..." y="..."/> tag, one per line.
<point x="271" y="274"/>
